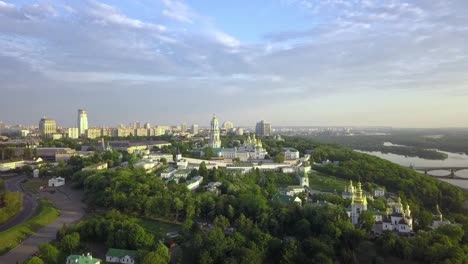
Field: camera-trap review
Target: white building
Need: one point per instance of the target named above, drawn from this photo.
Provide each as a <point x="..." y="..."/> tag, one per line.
<point x="82" y="122"/>
<point x="379" y="192"/>
<point x="123" y="256"/>
<point x="73" y="133"/>
<point x="56" y="182"/>
<point x="215" y="140"/>
<point x="400" y="220"/>
<point x="290" y="153"/>
<point x="252" y="149"/>
<point x="36" y="173"/>
<point x="168" y="172"/>
<point x="194" y="183"/>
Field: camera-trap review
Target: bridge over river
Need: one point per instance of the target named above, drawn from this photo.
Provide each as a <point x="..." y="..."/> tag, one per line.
<point x="450" y="169"/>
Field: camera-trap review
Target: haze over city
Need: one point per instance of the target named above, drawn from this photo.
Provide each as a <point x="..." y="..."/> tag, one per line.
<point x="364" y="63"/>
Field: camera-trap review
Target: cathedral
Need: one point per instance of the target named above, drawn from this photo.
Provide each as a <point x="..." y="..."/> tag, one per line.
<point x="251" y="149"/>
<point x="358" y="201"/>
<point x="398" y="218"/>
<point x="215" y="140"/>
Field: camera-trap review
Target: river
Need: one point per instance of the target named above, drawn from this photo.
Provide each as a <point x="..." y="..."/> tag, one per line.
<point x="454" y="159"/>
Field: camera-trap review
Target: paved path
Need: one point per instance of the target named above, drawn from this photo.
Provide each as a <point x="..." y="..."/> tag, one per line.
<point x="29" y="203"/>
<point x="71" y="210"/>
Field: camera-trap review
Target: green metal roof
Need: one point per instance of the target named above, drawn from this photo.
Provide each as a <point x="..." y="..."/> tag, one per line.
<point x="114" y="252"/>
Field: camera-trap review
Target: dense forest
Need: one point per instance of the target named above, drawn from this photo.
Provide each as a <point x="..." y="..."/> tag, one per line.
<point x="244" y="223"/>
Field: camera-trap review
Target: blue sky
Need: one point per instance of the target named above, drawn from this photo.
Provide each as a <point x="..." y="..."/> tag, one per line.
<point x="292" y="62"/>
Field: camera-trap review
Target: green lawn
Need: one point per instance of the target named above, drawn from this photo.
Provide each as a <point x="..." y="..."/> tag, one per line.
<point x="32" y="185"/>
<point x="158" y="228"/>
<point x="45" y="214"/>
<point x="325" y="183"/>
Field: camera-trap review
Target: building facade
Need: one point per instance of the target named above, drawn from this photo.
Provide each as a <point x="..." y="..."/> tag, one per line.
<point x="73" y="133"/>
<point x="82" y="121"/>
<point x="263" y="128"/>
<point x="215" y="140"/>
<point x="47" y="127"/>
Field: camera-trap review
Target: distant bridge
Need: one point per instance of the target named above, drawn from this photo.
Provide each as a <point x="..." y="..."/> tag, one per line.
<point x="452" y="171"/>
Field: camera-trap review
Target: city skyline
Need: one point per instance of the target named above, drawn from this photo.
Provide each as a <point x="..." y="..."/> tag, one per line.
<point x="304" y="63"/>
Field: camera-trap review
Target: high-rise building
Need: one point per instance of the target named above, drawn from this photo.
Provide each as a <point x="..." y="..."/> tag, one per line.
<point x="263" y="128"/>
<point x="194" y="129"/>
<point x="215" y="140"/>
<point x="147" y="125"/>
<point x="183" y="128"/>
<point x="47" y="127"/>
<point x="82" y="122"/>
<point x="73" y="133"/>
<point x="228" y="125"/>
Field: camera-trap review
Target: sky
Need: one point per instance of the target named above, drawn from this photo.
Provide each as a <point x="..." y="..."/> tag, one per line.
<point x="291" y="62"/>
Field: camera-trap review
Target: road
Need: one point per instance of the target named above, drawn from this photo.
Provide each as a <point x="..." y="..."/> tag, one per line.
<point x="68" y="201"/>
<point x="29" y="203"/>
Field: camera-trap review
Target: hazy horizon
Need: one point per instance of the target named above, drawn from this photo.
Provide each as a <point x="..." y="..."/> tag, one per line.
<point x="291" y="62"/>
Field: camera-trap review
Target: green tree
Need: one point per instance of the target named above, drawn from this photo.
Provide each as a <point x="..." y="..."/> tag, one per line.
<point x="159" y="256"/>
<point x="50" y="253"/>
<point x="279" y="158"/>
<point x="367" y="220"/>
<point x="34" y="260"/>
<point x="70" y="242"/>
<point x="203" y="170"/>
<point x="209" y="153"/>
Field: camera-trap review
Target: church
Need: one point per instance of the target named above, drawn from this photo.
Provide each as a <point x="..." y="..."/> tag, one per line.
<point x="398" y="218"/>
<point x="251" y="149"/>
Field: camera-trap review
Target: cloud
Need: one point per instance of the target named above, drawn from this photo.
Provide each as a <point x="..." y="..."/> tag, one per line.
<point x="178" y="11"/>
<point x="175" y="54"/>
<point x="106" y="14"/>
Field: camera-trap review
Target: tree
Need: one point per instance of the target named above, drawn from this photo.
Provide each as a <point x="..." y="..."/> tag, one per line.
<point x="34" y="260"/>
<point x="279" y="158"/>
<point x="209" y="152"/>
<point x="70" y="242"/>
<point x="203" y="170"/>
<point x="367" y="220"/>
<point x="163" y="161"/>
<point x="50" y="253"/>
<point x="159" y="256"/>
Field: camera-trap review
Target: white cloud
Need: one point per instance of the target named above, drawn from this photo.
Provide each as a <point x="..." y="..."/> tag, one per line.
<point x="178" y="11"/>
<point x="107" y="14"/>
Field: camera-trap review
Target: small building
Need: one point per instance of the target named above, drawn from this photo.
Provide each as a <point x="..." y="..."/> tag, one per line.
<point x="56" y="182"/>
<point x="36" y="173"/>
<point x="182" y="173"/>
<point x="290" y="153"/>
<point x="379" y="192"/>
<point x="286" y="199"/>
<point x="287" y="170"/>
<point x="123" y="256"/>
<point x="168" y="172"/>
<point x="194" y="183"/>
<point x="99" y="166"/>
<point x="294" y="189"/>
<point x="82" y="259"/>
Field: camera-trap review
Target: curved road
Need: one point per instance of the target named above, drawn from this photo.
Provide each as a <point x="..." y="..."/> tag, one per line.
<point x="29" y="203"/>
<point x="69" y="203"/>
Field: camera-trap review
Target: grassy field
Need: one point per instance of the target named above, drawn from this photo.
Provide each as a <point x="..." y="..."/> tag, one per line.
<point x="45" y="214"/>
<point x="12" y="205"/>
<point x="158" y="228"/>
<point x="32" y="185"/>
<point x="325" y="183"/>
